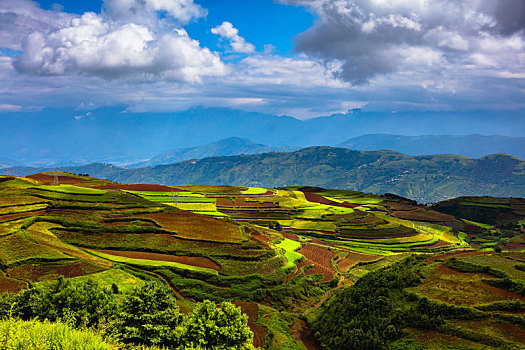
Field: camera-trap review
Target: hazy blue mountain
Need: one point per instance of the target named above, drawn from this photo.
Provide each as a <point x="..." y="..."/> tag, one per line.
<point x="227" y="147"/>
<point x="423" y="178"/>
<point x="114" y="135"/>
<point x="7" y="163"/>
<point x="468" y="145"/>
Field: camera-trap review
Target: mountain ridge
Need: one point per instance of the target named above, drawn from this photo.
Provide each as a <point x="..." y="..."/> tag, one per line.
<point x="429" y="178"/>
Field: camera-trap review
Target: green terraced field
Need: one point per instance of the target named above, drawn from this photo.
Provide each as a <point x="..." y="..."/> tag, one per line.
<point x="271" y="247"/>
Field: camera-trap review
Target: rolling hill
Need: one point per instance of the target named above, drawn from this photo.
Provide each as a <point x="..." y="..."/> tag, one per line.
<point x="301" y="262"/>
<point x="468" y="145"/>
<point x="422" y="178"/>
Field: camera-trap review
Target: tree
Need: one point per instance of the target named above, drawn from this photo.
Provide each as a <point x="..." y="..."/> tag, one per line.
<point x="82" y="303"/>
<point x="217" y="327"/>
<point x="150" y="316"/>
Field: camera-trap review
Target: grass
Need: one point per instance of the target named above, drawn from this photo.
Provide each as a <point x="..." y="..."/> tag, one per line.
<point x="35" y="335"/>
<point x="73" y="189"/>
<point x="497" y="262"/>
<point x="489" y="227"/>
<point x="125" y="281"/>
<point x="254" y="190"/>
<point x="152" y="263"/>
<point x="19" y="248"/>
<point x="290" y="246"/>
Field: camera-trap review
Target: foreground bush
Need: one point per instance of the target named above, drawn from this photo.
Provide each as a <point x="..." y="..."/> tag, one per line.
<point x="35" y="335"/>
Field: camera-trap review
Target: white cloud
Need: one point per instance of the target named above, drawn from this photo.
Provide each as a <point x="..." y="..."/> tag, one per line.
<point x="111" y="45"/>
<point x="237" y="43"/>
<point x="376" y="37"/>
<point x="5" y="107"/>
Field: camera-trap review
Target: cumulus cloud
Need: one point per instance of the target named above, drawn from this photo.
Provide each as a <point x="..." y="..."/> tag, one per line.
<point x="129" y="39"/>
<point x="237" y="43"/>
<point x="375" y="37"/>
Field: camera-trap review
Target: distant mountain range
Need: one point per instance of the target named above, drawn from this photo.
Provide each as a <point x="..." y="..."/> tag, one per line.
<point x="6" y="163"/>
<point x="116" y="135"/>
<point x="227" y="147"/>
<point x="423" y="178"/>
<point x="468" y="145"/>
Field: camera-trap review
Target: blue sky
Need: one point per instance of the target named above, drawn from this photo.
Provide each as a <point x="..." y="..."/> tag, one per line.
<point x="302" y="58"/>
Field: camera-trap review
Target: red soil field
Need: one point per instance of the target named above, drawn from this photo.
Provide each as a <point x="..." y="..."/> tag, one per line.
<point x="367" y="220"/>
<point x="10" y="285"/>
<point x="400" y="206"/>
<point x="513" y="246"/>
<point x="421" y="214"/>
<point x="315" y="198"/>
<point x="305" y="335"/>
<point x="48" y="179"/>
<point x="242" y="202"/>
<point x="486" y="292"/>
<point x="194" y="226"/>
<point x="10" y="217"/>
<point x="290" y="236"/>
<point x="38" y="272"/>
<point x="187" y="260"/>
<point x="308" y="230"/>
<point x="299" y="266"/>
<point x="252" y="310"/>
<point x="355" y="258"/>
<point x="141" y="187"/>
<point x="322" y="260"/>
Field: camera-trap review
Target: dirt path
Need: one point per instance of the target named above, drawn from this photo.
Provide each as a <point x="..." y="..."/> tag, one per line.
<point x="339" y="285"/>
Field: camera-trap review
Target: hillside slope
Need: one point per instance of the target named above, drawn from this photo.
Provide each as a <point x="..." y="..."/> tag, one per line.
<point x="422" y="178"/>
<point x="467" y="145"/>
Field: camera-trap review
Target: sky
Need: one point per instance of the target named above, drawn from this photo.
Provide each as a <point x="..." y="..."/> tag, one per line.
<point x="301" y="58"/>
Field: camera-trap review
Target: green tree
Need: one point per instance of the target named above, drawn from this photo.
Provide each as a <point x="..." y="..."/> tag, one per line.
<point x="82" y="303"/>
<point x="150" y="316"/>
<point x="217" y="327"/>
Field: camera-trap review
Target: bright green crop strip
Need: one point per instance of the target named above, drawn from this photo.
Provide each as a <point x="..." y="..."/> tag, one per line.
<point x="155" y="263"/>
<point x="290" y="246"/>
<point x="70" y="189"/>
<point x="254" y="190"/>
<point x="479" y="224"/>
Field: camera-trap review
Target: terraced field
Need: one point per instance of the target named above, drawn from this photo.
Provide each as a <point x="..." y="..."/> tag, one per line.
<point x="276" y="252"/>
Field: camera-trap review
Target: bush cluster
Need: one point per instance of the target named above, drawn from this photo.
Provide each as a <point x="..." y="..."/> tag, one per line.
<point x="149" y="316"/>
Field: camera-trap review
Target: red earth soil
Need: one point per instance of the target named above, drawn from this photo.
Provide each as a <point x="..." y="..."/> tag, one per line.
<point x="354" y="258"/>
<point x="305" y="335"/>
<point x="252" y="310"/>
<point x="49" y="179"/>
<point x="505" y="294"/>
<point x="322" y="260"/>
<point x="313" y="197"/>
<point x="10" y="285"/>
<point x="513" y="246"/>
<point x="438" y="244"/>
<point x="299" y="266"/>
<point x="307" y="230"/>
<point x="10" y="217"/>
<point x="141" y="187"/>
<point x="421" y="214"/>
<point x="242" y="202"/>
<point x="400" y="206"/>
<point x="456" y="254"/>
<point x="38" y="272"/>
<point x="187" y="260"/>
<point x="290" y="236"/>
